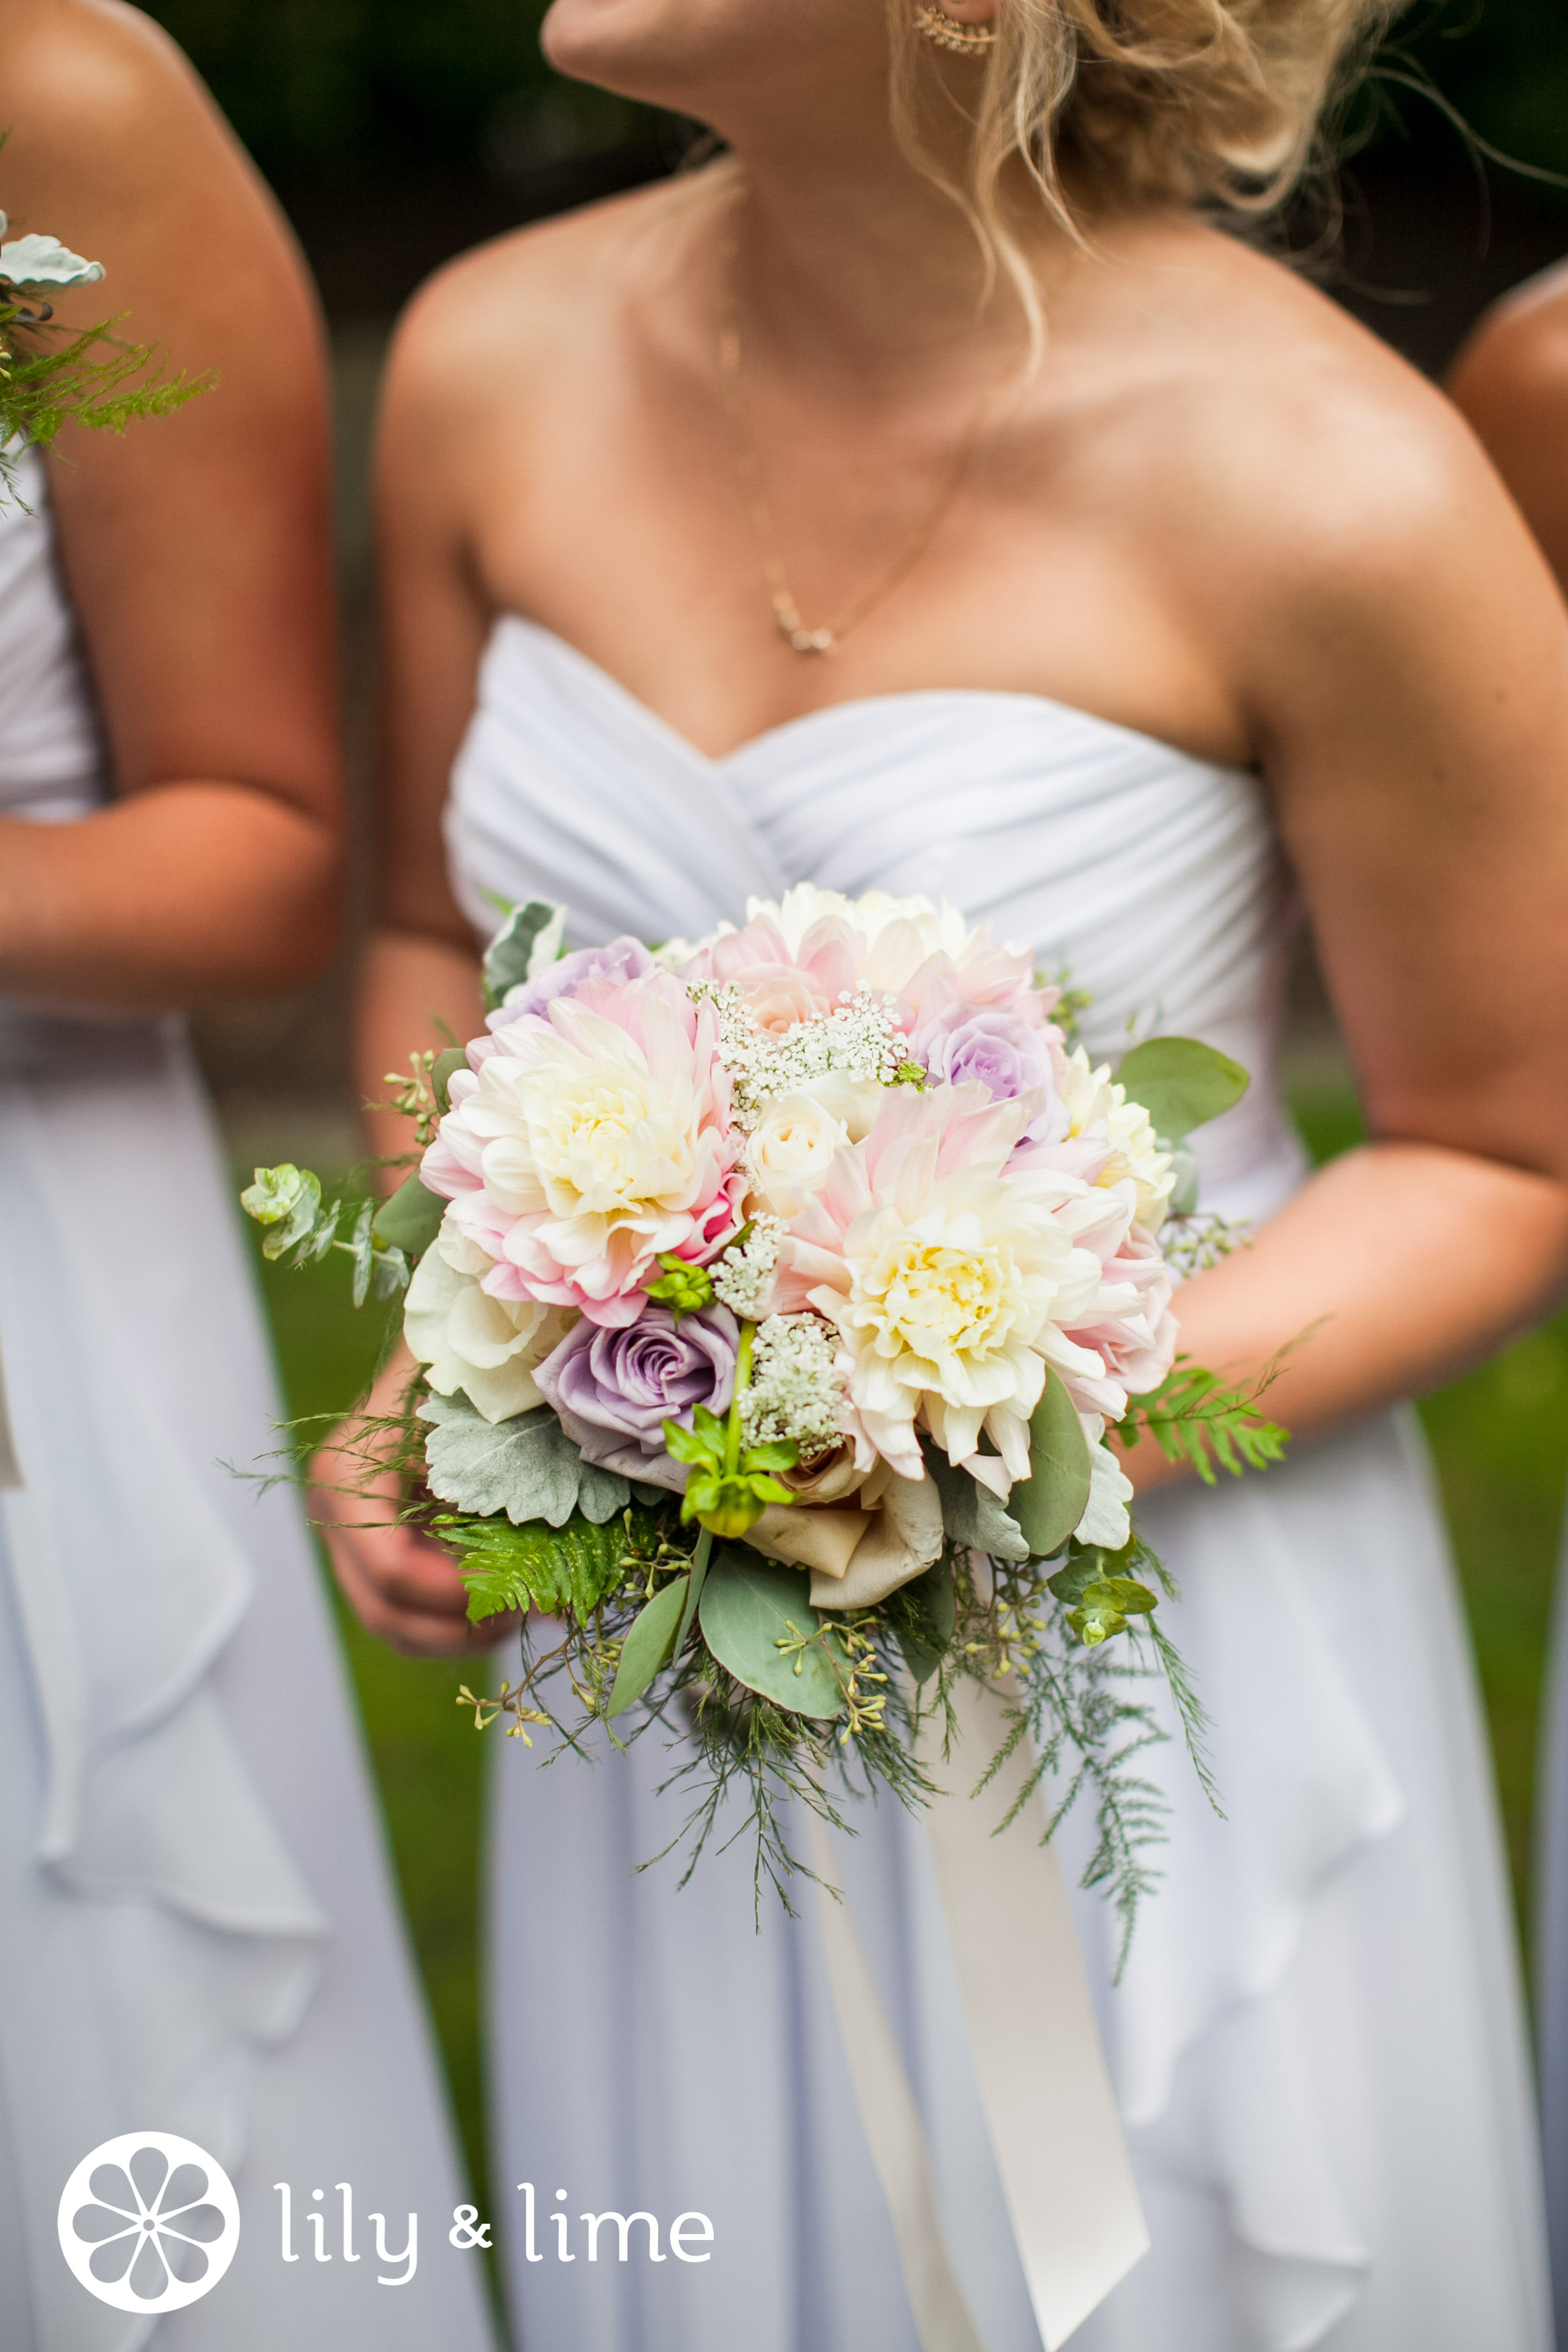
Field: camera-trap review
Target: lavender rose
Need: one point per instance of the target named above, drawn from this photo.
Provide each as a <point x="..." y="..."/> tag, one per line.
<point x="614" y="1388"/>
<point x="1007" y="1056"/>
<point x="622" y="959"/>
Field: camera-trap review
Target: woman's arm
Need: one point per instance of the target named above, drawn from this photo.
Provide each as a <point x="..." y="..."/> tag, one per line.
<point x="196" y="548"/>
<point x="1510" y="380"/>
<point x="420" y="974"/>
<point x="1409" y="678"/>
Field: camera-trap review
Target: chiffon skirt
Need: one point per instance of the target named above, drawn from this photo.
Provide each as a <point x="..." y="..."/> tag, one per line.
<point x="198" y="1926"/>
<point x="1317" y="2045"/>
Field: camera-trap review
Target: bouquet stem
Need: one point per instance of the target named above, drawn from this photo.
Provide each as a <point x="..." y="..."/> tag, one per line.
<point x="700" y="1558"/>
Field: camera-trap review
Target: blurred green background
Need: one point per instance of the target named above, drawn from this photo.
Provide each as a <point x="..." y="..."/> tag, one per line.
<point x="334" y="87"/>
<point x="398" y="132"/>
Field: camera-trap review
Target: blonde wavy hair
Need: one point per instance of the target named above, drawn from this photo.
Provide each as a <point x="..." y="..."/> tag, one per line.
<point x="1112" y="103"/>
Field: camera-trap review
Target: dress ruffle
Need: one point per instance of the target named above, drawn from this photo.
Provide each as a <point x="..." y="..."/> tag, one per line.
<point x="127" y="1582"/>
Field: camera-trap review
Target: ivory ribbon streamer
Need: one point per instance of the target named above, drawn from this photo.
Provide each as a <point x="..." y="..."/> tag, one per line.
<point x="1048" y="2102"/>
<point x="10" y="1468"/>
<point x="893" y="2127"/>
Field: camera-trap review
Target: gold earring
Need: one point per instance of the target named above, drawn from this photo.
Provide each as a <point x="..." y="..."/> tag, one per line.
<point x="947" y="33"/>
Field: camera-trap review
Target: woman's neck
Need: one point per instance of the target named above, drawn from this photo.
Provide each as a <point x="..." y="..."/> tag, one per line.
<point x="853" y="260"/>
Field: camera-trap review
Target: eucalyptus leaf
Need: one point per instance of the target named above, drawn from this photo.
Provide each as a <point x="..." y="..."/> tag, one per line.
<point x="526" y="1468"/>
<point x="443" y="1070"/>
<point x="361" y="1250"/>
<point x="1181" y="1083"/>
<point x="749" y="1607"/>
<point x="971" y="1515"/>
<point x="507" y="955"/>
<point x="1184" y="1171"/>
<point x="411" y="1220"/>
<point x="650" y="1644"/>
<point x="388" y="1273"/>
<point x="924" y="1613"/>
<point x="1049" y="1503"/>
<point x="288" y="1200"/>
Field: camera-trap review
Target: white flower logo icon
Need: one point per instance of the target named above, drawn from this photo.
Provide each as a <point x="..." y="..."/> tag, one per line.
<point x="149" y="2223"/>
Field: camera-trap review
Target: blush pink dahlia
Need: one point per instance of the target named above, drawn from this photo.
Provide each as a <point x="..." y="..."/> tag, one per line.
<point x="589" y="1140"/>
<point x="949" y="1270"/>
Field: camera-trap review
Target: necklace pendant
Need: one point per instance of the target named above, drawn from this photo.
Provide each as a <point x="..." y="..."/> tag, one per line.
<point x="810" y="641"/>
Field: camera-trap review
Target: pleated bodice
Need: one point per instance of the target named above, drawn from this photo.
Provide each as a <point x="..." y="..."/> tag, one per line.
<point x="1150" y="879"/>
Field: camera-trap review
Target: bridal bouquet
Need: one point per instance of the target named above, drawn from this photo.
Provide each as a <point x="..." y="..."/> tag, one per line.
<point x="772" y="1297"/>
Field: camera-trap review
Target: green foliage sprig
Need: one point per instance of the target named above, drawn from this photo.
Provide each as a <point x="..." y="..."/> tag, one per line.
<point x="86" y="379"/>
<point x="1195" y="1418"/>
<point x="302" y="1228"/>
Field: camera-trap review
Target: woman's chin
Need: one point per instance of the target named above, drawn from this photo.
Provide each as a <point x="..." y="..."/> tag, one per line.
<point x="689" y="54"/>
<point x="638" y="49"/>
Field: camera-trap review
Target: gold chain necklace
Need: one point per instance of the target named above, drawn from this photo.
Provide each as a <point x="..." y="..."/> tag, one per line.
<point x="787" y="613"/>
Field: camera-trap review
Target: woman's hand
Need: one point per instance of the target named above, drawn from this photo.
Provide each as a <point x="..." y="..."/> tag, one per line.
<point x="401" y="1586"/>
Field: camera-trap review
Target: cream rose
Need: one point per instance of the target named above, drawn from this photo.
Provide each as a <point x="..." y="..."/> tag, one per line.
<point x="789" y="1152"/>
<point x="485" y="1347"/>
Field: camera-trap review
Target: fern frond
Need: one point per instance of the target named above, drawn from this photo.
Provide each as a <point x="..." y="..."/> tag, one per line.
<point x="1194" y="1418"/>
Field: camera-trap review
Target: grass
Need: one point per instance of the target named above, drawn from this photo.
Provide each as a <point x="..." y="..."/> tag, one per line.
<point x="428" y="1757"/>
<point x="1499" y="1438"/>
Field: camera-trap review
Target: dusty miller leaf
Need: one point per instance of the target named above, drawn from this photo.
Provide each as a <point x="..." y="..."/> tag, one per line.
<point x="526" y="1468"/>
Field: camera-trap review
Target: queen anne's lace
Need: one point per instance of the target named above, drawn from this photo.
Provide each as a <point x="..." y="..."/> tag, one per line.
<point x="796" y="1390"/>
<point x="860" y="1037"/>
<point x="743" y="1278"/>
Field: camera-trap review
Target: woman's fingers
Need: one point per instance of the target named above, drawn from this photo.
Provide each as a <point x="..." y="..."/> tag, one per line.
<point x="418" y="1633"/>
<point x="410" y="1572"/>
<point x="402" y="1587"/>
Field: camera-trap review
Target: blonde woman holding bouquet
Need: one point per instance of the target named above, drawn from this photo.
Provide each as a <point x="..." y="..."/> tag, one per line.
<point x="198" y="1931"/>
<point x="934" y="495"/>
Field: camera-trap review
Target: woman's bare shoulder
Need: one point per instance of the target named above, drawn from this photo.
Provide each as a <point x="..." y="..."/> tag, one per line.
<point x="1287" y="431"/>
<point x="489" y="323"/>
<point x="89" y="82"/>
<point x="1516" y="360"/>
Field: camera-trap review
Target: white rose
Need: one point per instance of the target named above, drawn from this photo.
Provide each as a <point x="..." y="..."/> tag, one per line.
<point x="854" y="1102"/>
<point x="485" y="1347"/>
<point x="789" y="1152"/>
